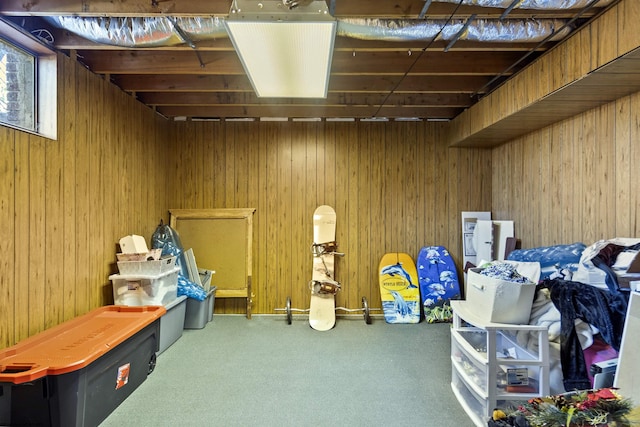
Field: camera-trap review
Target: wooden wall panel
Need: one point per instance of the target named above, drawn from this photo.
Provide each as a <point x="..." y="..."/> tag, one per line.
<point x="634" y="171"/>
<point x="567" y="179"/>
<point x="605" y="38"/>
<point x="551" y="184"/>
<point x="66" y="203"/>
<point x="622" y="172"/>
<point x="67" y="71"/>
<point x="628" y="35"/>
<point x="21" y="236"/>
<point x="395" y="187"/>
<point x="8" y="262"/>
<point x="35" y="169"/>
<point x="573" y="181"/>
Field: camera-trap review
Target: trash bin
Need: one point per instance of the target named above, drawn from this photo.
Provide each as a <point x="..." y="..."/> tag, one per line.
<point x="77" y="373"/>
<point x="199" y="313"/>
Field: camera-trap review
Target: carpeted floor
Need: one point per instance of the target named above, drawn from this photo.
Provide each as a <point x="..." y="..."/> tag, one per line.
<point x="263" y="372"/>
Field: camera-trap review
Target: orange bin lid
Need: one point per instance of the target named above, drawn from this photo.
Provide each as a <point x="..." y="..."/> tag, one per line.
<point x="74" y="344"/>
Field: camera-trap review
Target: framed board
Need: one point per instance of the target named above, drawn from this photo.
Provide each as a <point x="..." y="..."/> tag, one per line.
<point x="221" y="240"/>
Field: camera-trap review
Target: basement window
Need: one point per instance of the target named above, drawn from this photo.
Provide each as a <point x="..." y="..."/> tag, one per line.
<point x="27" y="83"/>
<point x="17" y="88"/>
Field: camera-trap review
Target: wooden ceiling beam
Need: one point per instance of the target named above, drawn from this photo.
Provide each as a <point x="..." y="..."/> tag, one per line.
<point x="228" y="63"/>
<point x="429" y="62"/>
<point x="312" y="111"/>
<point x="333" y="99"/>
<point x="338" y="84"/>
<point x="190" y="83"/>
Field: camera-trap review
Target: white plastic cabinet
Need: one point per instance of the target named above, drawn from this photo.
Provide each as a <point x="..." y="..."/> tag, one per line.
<point x="490" y="369"/>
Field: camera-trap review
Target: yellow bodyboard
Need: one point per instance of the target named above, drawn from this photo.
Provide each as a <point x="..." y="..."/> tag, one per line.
<point x="399" y="289"/>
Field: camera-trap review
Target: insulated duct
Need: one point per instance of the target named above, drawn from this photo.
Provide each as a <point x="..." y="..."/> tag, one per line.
<point x="141" y="32"/>
<point x="482" y="30"/>
<point x="153" y="32"/>
<point x="161" y="31"/>
<point x="530" y="4"/>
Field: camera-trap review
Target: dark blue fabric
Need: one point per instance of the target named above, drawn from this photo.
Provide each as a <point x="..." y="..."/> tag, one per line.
<point x="606" y="310"/>
<point x="610" y="277"/>
<point x="551" y="258"/>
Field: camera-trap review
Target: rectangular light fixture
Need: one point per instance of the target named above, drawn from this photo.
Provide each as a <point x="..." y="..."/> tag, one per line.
<point x="286" y="53"/>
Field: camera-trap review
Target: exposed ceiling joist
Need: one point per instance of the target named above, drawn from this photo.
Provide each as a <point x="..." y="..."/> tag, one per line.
<point x="384" y="76"/>
<point x="399" y="9"/>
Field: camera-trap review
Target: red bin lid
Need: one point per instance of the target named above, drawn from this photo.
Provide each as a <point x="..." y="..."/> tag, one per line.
<point x="74" y="344"/>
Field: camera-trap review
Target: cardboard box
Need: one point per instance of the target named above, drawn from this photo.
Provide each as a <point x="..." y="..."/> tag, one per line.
<point x="499" y="301"/>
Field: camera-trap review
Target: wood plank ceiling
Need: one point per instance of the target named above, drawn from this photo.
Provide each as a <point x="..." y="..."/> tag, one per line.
<point x="428" y="79"/>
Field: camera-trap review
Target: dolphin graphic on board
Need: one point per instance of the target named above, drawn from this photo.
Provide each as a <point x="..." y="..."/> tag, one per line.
<point x="400" y="305"/>
<point x="397" y="270"/>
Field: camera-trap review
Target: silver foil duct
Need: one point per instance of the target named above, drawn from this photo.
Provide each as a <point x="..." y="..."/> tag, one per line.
<point x="531" y="4"/>
<point x="161" y="31"/>
<point x="153" y="32"/>
<point x="482" y="30"/>
<point x="141" y="32"/>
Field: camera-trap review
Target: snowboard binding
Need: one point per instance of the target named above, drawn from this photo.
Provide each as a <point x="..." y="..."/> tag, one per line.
<point x="326" y="288"/>
<point x="327" y="248"/>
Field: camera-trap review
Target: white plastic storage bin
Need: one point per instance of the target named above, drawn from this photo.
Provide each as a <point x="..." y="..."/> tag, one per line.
<point x="199" y="313"/>
<point x="499" y="301"/>
<point x="172" y="323"/>
<point x="140" y="289"/>
<point x="152" y="267"/>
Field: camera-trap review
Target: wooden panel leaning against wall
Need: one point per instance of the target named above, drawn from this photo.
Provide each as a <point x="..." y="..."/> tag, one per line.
<point x="65" y="203"/>
<point x="395" y="187"/>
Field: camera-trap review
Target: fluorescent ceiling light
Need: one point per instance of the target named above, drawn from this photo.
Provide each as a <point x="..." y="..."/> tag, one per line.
<point x="274" y="119"/>
<point x="375" y="119"/>
<point x="340" y="119"/>
<point x="286" y="53"/>
<point x="240" y="119"/>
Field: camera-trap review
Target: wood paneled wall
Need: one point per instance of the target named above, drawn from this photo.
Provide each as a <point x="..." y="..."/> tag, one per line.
<point x="64" y="204"/>
<point x="395" y="187"/>
<point x="117" y="168"/>
<point x="606" y="38"/>
<point x="574" y="181"/>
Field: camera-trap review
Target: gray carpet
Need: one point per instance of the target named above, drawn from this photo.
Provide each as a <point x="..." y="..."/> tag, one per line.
<point x="263" y="372"/>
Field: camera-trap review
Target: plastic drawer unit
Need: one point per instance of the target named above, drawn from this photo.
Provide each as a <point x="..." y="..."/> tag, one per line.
<point x="77" y="373"/>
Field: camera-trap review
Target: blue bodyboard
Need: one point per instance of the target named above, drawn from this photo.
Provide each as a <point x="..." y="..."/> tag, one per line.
<point x="439" y="283"/>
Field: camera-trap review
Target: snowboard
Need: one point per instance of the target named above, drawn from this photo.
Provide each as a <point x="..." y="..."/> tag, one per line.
<point x="438" y="283"/>
<point x="399" y="290"/>
<point x="323" y="286"/>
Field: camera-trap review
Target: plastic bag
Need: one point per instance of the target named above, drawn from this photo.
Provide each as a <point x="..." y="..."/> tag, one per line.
<point x="190" y="289"/>
<point x="167" y="239"/>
